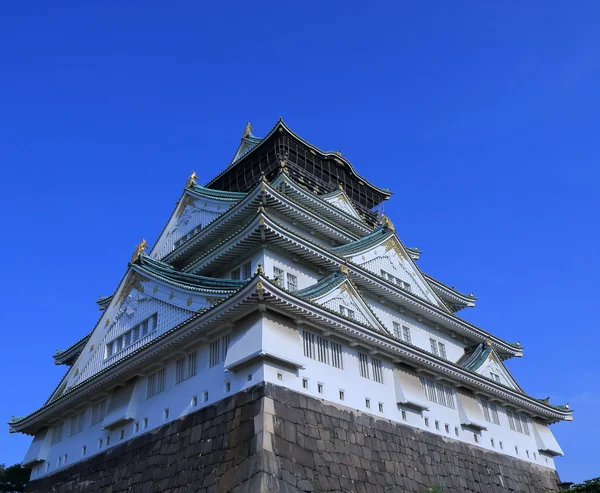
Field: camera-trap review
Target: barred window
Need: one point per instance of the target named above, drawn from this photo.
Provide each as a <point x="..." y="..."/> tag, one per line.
<point x="218" y="349"/>
<point x="156" y="383"/>
<point x="406" y="333"/>
<point x="370" y="367"/>
<point x="131" y="336"/>
<point x="397" y="330"/>
<point x="377" y="371"/>
<point x="279" y="276"/>
<point x="525" y="425"/>
<point x="76" y="425"/>
<point x="57" y="433"/>
<point x="442" y="349"/>
<point x="433" y="345"/>
<point x="321" y="349"/>
<point x="346" y="312"/>
<point x="292" y="282"/>
<point x="511" y="420"/>
<point x="490" y="411"/>
<point x="247" y="270"/>
<point x="438" y="392"/>
<point x="363" y="360"/>
<point x="495" y="377"/>
<point x="185" y="367"/>
<point x="98" y="411"/>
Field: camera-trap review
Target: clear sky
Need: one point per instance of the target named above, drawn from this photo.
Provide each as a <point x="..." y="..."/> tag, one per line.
<point x="482" y="117"/>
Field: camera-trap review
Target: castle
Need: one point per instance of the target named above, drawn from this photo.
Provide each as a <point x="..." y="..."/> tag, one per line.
<point x="277" y="283"/>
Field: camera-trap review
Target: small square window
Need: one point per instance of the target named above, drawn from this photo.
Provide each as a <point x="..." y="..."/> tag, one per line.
<point x="205" y="396"/>
<point x="227" y="386"/>
<point x="305" y="383"/>
<point x="280" y="377"/>
<point x="381" y="407"/>
<point x="447" y="428"/>
<point x="535" y="456"/>
<point x="516" y="450"/>
<point x="100" y="443"/>
<point x="475" y="437"/>
<point x="492" y="442"/>
<point x="437" y="425"/>
<point x="368" y="403"/>
<point x="527" y="452"/>
<point x="107" y="441"/>
<point x="456" y="432"/>
<point x="501" y="445"/>
<point x="342" y="395"/>
<point x="546" y="459"/>
<point x="249" y="377"/>
<point x="194" y="401"/>
<point x="121" y="434"/>
<point x="426" y="421"/>
<point x="320" y="388"/>
<point x="83" y="450"/>
<point x="65" y="461"/>
<point x="59" y="461"/>
<point x="166" y="413"/>
<point x="404" y="415"/>
<point x="136" y="427"/>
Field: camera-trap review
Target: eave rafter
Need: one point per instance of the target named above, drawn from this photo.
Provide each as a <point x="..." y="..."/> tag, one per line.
<point x="262" y="291"/>
<point x="276" y="235"/>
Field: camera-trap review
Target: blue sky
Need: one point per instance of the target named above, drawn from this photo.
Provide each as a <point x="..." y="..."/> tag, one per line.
<point x="482" y="118"/>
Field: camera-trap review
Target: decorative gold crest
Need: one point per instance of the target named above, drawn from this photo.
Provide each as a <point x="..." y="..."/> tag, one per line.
<point x="247" y="130"/>
<point x="189" y="301"/>
<point x="139" y="249"/>
<point x="344" y="269"/>
<point x="191" y="180"/>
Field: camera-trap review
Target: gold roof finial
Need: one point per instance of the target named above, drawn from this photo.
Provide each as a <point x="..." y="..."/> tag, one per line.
<point x="139" y="249"/>
<point x="191" y="180"/>
<point x="344" y="269"/>
<point x="488" y="342"/>
<point x="386" y="223"/>
<point x="247" y="130"/>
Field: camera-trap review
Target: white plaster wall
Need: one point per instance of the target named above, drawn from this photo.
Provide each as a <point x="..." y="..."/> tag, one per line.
<point x="306" y="275"/>
<point x="300" y="230"/>
<point x="420" y="331"/>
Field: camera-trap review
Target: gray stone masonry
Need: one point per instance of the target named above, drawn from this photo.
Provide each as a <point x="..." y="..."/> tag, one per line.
<point x="271" y="439"/>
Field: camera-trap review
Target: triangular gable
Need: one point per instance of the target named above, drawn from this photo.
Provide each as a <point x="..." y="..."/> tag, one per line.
<point x="337" y="293"/>
<point x="150" y="304"/>
<point x="484" y="360"/>
<point x="197" y="208"/>
<point x="387" y="257"/>
<point x="340" y="200"/>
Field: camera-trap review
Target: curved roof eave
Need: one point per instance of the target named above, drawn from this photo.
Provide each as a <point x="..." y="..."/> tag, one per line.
<point x="281" y="124"/>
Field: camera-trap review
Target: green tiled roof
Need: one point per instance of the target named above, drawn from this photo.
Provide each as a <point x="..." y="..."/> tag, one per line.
<point x="323" y="286"/>
<point x="217" y="194"/>
<point x="475" y="356"/>
<point x="169" y="273"/>
<point x="365" y="242"/>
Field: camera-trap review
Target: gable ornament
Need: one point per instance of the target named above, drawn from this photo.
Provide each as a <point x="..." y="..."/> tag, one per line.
<point x="386" y="223"/>
<point x="191" y="180"/>
<point x="139" y="249"/>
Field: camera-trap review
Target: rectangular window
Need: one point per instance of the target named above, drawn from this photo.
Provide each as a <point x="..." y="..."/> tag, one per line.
<point x="83" y="450"/>
<point x="98" y="411"/>
<point x="438" y="392"/>
<point x="305" y="383"/>
<point x="404" y="417"/>
<point x="321" y="349"/>
<point x="437" y="425"/>
<point x="433" y="345"/>
<point x="397" y="330"/>
<point x="447" y="428"/>
<point x="121" y="434"/>
<point x="278" y="274"/>
<point x="475" y="438"/>
<point x="377" y="370"/>
<point x="180" y="370"/>
<point x="292" y="282"/>
<point x="486" y="410"/>
<point x="57" y="433"/>
<point x="442" y="350"/>
<point x="76" y="425"/>
<point x="156" y="383"/>
<point x="218" y="350"/>
<point x="426" y="421"/>
<point x="166" y="413"/>
<point x="145" y="423"/>
<point x="235" y="274"/>
<point x="363" y="361"/>
<point x="456" y="432"/>
<point x="192" y="367"/>
<point x="525" y="425"/>
<point x="406" y="334"/>
<point x="247" y="270"/>
<point x="495" y="377"/>
<point x="346" y="312"/>
<point x="131" y="336"/>
<point x="368" y="403"/>
<point x="492" y="442"/>
<point x="511" y="420"/>
<point x="194" y="401"/>
<point x="494" y="411"/>
<point x="227" y="386"/>
<point x="205" y="396"/>
<point x="342" y="395"/>
<point x="136" y="427"/>
<point x="320" y="388"/>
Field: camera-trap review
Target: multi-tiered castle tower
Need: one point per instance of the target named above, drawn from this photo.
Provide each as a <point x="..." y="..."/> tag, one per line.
<point x="276" y="299"/>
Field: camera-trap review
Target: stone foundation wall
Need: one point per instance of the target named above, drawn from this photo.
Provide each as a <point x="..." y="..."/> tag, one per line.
<point x="270" y="439"/>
